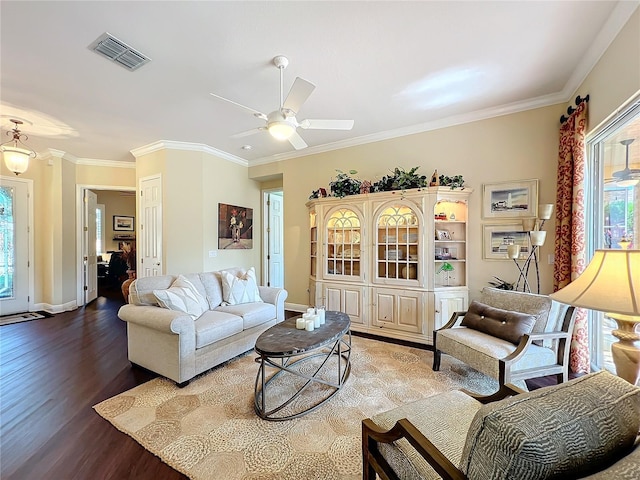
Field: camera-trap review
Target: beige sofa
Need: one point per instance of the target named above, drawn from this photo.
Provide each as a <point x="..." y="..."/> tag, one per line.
<point x="177" y="345"/>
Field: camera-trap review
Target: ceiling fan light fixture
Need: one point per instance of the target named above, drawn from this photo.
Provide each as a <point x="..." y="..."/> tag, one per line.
<point x="279" y="126"/>
<point x="629" y="182"/>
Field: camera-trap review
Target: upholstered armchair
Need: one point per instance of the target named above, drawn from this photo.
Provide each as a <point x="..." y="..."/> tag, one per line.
<point x="510" y="336"/>
<point x="584" y="428"/>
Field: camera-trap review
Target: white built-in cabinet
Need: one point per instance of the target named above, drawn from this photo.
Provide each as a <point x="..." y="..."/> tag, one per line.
<point x="378" y="258"/>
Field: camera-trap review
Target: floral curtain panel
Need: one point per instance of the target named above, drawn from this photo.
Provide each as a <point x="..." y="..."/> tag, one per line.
<point x="570" y="247"/>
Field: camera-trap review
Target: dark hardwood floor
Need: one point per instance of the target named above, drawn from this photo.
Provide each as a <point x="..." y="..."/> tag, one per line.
<point x="52" y="371"/>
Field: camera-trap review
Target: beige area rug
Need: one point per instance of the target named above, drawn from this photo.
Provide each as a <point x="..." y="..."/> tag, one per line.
<point x="209" y="429"/>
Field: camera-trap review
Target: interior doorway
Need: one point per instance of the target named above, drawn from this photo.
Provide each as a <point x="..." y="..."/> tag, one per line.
<point x="273" y="238"/>
<point x="104" y="226"/>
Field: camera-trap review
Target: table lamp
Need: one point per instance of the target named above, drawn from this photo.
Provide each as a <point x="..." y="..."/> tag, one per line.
<point x="611" y="284"/>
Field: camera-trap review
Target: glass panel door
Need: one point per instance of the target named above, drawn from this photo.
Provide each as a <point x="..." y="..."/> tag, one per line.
<point x="7" y="239"/>
<point x="613" y="211"/>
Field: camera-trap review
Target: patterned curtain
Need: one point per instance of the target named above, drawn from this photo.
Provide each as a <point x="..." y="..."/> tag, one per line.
<point x="570" y="247"/>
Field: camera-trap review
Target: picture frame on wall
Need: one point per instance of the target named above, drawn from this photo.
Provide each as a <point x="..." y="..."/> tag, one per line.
<point x="235" y="227"/>
<point x="123" y="223"/>
<point x="510" y="199"/>
<point x="497" y="237"/>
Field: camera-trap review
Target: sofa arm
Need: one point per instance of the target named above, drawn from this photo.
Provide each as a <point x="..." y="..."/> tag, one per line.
<point x="274" y="296"/>
<point x="157" y="318"/>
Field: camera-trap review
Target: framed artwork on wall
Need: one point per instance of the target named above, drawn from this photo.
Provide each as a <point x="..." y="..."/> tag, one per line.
<point x="510" y="199"/>
<point x="123" y="223"/>
<point x="235" y="227"/>
<point x="496" y="239"/>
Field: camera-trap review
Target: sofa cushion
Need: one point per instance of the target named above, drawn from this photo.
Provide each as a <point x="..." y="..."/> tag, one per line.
<point x="627" y="468"/>
<point x="565" y="431"/>
<point x="213" y="326"/>
<point x="481" y="351"/>
<point x="141" y="289"/>
<point x="182" y="296"/>
<point x="252" y="314"/>
<point x="505" y="324"/>
<point x="239" y="288"/>
<point x="196" y="283"/>
<point x="213" y="288"/>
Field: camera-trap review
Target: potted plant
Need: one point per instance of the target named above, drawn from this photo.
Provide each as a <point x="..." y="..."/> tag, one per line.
<point x="344" y="184"/>
<point x="400" y="179"/>
<point x="447" y="268"/>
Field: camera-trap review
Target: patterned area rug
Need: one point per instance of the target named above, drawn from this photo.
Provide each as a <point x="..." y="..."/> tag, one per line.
<point x="209" y="429"/>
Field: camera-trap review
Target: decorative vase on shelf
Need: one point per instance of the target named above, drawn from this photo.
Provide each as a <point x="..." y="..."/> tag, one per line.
<point x="409" y="272"/>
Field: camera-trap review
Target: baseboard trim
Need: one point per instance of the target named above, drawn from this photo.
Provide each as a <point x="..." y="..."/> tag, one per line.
<point x="296" y="307"/>
<point x="47" y="307"/>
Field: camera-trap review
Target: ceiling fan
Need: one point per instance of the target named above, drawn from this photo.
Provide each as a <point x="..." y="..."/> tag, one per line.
<point x="627" y="176"/>
<point x="282" y="123"/>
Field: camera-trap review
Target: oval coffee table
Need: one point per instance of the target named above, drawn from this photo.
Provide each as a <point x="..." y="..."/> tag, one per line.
<point x="302" y="361"/>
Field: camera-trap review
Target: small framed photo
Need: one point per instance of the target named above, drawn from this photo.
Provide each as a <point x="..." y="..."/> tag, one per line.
<point x="496" y="239"/>
<point x="443" y="235"/>
<point x="510" y="199"/>
<point x="122" y="223"/>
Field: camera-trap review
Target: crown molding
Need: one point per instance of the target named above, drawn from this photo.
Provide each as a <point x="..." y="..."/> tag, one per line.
<point x="507" y="109"/>
<point x="612" y="27"/>
<point x="186" y="146"/>
<point x="52" y="153"/>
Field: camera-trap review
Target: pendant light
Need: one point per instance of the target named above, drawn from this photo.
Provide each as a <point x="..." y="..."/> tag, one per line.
<point x="16" y="154"/>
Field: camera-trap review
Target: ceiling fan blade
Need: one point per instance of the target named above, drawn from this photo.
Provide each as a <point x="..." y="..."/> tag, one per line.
<point x="246" y="133"/>
<point x="327" y="124"/>
<point x="252" y="110"/>
<point x="300" y="91"/>
<point x="297" y="141"/>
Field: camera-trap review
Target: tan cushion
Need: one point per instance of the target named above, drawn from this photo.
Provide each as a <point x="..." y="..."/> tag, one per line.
<point x="253" y="314"/>
<point x="213" y="326"/>
<point x="505" y="324"/>
<point x="565" y="431"/>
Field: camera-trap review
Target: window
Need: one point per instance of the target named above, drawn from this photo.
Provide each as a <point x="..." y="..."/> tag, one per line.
<point x="613" y="210"/>
<point x="100" y="243"/>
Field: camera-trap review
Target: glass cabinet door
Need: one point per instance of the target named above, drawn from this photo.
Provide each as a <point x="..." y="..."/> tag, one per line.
<point x="343" y="244"/>
<point x="397" y="250"/>
<point x="314" y="243"/>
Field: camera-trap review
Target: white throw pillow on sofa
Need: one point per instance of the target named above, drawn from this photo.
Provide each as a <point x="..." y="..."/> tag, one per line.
<point x="182" y="296"/>
<point x="240" y="288"/>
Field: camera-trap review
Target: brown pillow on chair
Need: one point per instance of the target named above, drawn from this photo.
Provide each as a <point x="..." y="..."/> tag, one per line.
<point x="504" y="324"/>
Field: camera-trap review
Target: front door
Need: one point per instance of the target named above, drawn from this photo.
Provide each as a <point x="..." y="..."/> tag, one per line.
<point x="14" y="237"/>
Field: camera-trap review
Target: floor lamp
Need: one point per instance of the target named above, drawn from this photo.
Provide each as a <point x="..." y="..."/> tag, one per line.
<point x="611" y="284"/>
<point x="537" y="236"/>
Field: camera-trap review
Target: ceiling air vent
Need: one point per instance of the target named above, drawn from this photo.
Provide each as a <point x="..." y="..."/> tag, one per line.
<point x="109" y="46"/>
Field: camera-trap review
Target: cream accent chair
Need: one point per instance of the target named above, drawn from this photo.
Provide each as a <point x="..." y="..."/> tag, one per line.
<point x="545" y="351"/>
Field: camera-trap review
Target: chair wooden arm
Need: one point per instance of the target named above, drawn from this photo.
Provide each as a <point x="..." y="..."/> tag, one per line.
<point x="506" y="390"/>
<point x="374" y="462"/>
<point x="453" y="320"/>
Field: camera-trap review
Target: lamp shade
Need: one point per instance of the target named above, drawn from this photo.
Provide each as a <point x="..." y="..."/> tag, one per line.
<point x="16" y="159"/>
<point x="610" y="283"/>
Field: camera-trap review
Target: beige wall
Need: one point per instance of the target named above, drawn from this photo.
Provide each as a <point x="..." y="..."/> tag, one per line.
<point x="514" y="147"/>
<point x="193" y="184"/>
<point x="616" y="76"/>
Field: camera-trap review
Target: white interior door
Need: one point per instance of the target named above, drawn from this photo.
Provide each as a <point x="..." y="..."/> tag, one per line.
<point x="275" y="254"/>
<point x="14" y="237"/>
<point x="89" y="247"/>
<point x="150" y="236"/>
